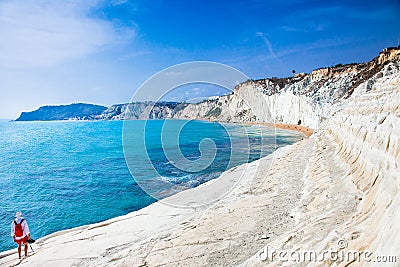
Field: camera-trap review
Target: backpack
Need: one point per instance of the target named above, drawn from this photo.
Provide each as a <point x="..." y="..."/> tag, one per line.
<point x="19" y="232"/>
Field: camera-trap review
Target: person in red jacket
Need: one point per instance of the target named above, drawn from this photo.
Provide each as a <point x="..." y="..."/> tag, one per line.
<point x="20" y="232"/>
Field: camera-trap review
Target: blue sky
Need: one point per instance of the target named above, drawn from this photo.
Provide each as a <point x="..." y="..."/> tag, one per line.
<point x="59" y="52"/>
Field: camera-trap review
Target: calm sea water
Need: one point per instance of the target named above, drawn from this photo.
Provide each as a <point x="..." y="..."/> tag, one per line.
<point x="66" y="174"/>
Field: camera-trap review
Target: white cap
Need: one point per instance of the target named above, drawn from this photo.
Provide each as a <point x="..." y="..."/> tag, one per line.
<point x="18" y="214"/>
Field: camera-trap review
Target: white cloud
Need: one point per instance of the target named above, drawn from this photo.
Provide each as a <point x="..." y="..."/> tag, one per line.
<point x="39" y="33"/>
<point x="267" y="43"/>
<point x="118" y="2"/>
<point x="311" y="27"/>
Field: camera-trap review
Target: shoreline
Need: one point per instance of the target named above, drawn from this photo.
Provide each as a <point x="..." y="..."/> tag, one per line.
<point x="141" y="226"/>
<point x="307" y="131"/>
<point x="40" y="240"/>
<point x="291" y="127"/>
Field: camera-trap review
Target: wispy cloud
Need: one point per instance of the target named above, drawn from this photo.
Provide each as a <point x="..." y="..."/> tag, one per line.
<point x="308" y="48"/>
<point x="118" y="2"/>
<point x="266" y="42"/>
<point x="309" y="28"/>
<point x="46" y="33"/>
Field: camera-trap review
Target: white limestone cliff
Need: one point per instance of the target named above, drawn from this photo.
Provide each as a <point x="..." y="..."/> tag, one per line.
<point x="306" y="99"/>
<point x="352" y="190"/>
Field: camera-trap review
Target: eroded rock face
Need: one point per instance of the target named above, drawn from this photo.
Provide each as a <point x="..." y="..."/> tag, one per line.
<point x="140" y="111"/>
<point x="308" y="98"/>
<point x="367" y="134"/>
<point x="352" y="180"/>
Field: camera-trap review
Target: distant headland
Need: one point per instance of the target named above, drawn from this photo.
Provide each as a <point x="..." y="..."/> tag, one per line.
<point x="76" y="111"/>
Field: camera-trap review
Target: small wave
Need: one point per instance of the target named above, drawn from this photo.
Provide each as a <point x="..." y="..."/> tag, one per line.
<point x="193" y="157"/>
<point x="190" y="180"/>
<point x="177" y="180"/>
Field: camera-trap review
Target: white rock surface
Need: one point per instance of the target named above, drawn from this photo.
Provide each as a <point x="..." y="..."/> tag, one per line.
<point x="309" y="98"/>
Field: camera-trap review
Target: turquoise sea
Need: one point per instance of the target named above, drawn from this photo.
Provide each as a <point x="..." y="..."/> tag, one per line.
<point x="66" y="174"/>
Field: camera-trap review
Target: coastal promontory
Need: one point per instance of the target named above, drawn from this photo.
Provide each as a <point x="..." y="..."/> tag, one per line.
<point x="78" y="111"/>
